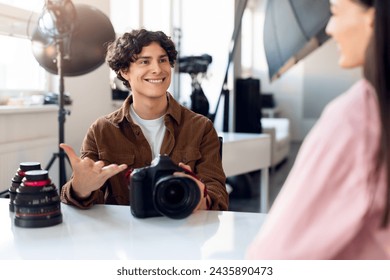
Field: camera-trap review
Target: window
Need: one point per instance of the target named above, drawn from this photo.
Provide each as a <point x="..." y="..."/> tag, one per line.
<point x="134" y="14"/>
<point x="31" y="5"/>
<point x="19" y="70"/>
<point x="125" y="15"/>
<point x="20" y="73"/>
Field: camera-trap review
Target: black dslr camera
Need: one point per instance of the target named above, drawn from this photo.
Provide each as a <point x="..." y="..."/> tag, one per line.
<point x="155" y="191"/>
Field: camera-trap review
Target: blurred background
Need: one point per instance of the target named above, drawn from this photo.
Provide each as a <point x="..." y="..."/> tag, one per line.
<point x="199" y="28"/>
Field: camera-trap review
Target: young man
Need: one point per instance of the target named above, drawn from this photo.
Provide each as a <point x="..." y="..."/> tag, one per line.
<point x="150" y="122"/>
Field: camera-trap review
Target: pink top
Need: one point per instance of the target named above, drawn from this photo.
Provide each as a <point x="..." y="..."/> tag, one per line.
<point x="330" y="207"/>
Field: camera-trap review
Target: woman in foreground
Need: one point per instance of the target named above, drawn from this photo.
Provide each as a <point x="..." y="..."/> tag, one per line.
<point x="335" y="202"/>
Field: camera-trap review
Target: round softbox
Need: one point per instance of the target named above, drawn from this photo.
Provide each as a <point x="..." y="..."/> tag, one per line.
<point x="83" y="51"/>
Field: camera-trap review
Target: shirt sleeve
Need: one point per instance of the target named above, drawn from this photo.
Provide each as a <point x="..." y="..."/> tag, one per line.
<point x="324" y="199"/>
<point x="210" y="169"/>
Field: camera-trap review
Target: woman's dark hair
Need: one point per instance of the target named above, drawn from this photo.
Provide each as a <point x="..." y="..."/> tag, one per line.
<point x="124" y="50"/>
<point x="377" y="72"/>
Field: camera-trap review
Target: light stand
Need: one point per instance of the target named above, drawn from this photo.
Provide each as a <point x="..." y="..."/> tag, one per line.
<point x="62" y="112"/>
<point x="57" y="23"/>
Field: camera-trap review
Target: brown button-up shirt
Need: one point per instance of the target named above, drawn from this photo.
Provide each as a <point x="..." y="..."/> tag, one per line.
<point x="189" y="138"/>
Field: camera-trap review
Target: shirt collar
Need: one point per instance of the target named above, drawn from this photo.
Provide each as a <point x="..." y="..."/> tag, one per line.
<point x="174" y="111"/>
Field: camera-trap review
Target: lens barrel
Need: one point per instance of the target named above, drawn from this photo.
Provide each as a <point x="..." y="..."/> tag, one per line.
<point x="176" y="197"/>
<point x="37" y="203"/>
<point x="17" y="180"/>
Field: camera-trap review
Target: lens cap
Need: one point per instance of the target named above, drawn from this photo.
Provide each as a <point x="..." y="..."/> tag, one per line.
<point x="37" y="175"/>
<point x="26" y="166"/>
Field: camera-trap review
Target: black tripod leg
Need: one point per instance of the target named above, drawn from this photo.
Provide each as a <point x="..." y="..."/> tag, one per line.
<point x="63" y="179"/>
<point x="53" y="158"/>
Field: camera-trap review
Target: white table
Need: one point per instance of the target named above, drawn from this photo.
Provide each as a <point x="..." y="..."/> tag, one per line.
<point x="111" y="232"/>
<point x="246" y="152"/>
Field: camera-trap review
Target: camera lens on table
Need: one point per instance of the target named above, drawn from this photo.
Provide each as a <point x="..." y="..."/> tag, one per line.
<point x="37" y="203"/>
<point x="17" y="179"/>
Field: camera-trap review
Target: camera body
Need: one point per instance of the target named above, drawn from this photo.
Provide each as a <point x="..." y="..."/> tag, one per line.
<point x="194" y="64"/>
<point x="155" y="191"/>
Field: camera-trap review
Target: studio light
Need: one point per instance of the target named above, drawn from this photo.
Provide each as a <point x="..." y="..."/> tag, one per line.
<point x="292" y="30"/>
<point x="69" y="40"/>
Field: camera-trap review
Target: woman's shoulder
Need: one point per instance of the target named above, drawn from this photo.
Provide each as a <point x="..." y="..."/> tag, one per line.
<point x="355" y="103"/>
<point x="352" y="110"/>
<point x="350" y="115"/>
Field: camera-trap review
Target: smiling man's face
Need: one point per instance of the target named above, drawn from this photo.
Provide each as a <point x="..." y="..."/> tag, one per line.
<point x="150" y="74"/>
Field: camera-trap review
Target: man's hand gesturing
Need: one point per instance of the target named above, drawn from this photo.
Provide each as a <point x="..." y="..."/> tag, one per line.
<point x="89" y="175"/>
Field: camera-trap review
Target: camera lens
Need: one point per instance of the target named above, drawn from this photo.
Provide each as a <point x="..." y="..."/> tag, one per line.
<point x="174" y="193"/>
<point x="37" y="203"/>
<point x="176" y="197"/>
<point x="17" y="180"/>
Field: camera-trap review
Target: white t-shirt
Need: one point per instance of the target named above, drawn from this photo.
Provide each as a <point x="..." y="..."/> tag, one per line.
<point x="154" y="130"/>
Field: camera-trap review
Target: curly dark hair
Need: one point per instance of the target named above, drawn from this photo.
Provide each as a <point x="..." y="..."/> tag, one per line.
<point x="124" y="50"/>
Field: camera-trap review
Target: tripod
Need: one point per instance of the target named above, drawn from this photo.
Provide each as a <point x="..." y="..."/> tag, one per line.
<point x="199" y="102"/>
<point x="62" y="112"/>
